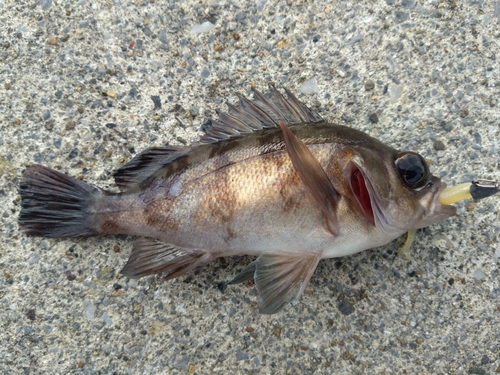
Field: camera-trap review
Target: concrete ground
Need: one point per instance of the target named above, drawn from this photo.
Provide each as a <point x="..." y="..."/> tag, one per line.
<point x="76" y="80"/>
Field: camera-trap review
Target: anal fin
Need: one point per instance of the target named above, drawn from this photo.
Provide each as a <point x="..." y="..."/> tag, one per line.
<point x="150" y="256"/>
<point x="282" y="277"/>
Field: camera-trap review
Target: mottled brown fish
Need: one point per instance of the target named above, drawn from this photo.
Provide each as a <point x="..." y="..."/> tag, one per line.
<point x="269" y="178"/>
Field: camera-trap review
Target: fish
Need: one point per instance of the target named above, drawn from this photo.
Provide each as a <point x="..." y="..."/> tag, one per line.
<point x="269" y="178"/>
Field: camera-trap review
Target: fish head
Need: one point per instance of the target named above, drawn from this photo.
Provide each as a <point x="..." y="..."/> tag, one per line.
<point x="395" y="190"/>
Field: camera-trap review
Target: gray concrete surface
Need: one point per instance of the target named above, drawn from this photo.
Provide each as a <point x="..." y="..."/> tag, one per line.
<point x="75" y="84"/>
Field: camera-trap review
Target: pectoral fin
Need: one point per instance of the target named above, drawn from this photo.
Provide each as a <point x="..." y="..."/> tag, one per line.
<point x="313" y="176"/>
<point x="282" y="277"/>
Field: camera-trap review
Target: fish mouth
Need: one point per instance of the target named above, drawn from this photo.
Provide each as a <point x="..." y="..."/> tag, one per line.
<point x="363" y="200"/>
<point x="439" y="211"/>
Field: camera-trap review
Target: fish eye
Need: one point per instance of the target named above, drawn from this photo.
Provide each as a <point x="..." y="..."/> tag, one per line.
<point x="413" y="170"/>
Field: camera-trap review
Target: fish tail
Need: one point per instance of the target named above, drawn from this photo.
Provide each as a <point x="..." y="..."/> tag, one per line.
<point x="56" y="205"/>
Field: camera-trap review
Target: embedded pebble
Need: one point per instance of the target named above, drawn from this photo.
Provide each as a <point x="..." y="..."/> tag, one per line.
<point x="162" y="36"/>
<point x="345" y="308"/>
<point x="309" y="87"/>
<point x="260" y="5"/>
<point x="407" y="4"/>
<point x="88" y="309"/>
<point x="205" y="73"/>
<point x="182" y="363"/>
<point x="205" y="27"/>
<point x="478" y="274"/>
<point x="373" y="117"/>
<point x="180" y="309"/>
<point x="240" y="16"/>
<point x="107" y="319"/>
<point x="496" y="9"/>
<point x="439" y="145"/>
<point x="448" y="126"/>
<point x="46" y="4"/>
<point x="355" y="39"/>
<point x="34" y="258"/>
<point x="241" y="356"/>
<point x="395" y="92"/>
<point x="369" y="85"/>
<point x="194" y="110"/>
<point x="401" y="16"/>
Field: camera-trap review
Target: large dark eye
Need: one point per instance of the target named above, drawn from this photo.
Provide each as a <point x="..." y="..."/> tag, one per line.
<point x="413" y="170"/>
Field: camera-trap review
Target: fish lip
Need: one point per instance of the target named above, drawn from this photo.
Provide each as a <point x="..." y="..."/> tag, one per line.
<point x="443" y="211"/>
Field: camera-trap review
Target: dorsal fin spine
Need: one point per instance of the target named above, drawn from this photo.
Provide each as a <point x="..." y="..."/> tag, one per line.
<point x="268" y="106"/>
<point x="280" y="100"/>
<point x="257" y="112"/>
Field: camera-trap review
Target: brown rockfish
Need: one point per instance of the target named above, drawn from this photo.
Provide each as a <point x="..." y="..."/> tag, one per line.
<point x="269" y="178"/>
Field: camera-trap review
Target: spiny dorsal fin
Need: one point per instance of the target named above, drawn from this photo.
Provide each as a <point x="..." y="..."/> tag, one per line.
<point x="266" y="111"/>
<point x="146" y="163"/>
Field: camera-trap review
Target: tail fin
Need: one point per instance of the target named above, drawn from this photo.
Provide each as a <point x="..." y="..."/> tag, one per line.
<point x="56" y="205"/>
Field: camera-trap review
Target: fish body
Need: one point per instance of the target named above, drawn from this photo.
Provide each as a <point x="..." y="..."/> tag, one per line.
<point x="271" y="178"/>
<point x="244" y="197"/>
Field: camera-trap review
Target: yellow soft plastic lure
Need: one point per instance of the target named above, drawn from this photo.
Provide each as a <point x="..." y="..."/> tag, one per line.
<point x="478" y="189"/>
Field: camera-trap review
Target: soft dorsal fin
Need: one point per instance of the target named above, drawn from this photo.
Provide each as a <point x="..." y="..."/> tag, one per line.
<point x="265" y="111"/>
<point x="146" y="163"/>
